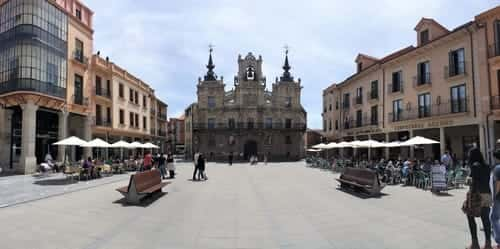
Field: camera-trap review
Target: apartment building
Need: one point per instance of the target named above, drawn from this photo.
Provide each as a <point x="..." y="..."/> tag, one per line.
<point x="44" y="73"/>
<point x="125" y="108"/>
<point x="435" y="89"/>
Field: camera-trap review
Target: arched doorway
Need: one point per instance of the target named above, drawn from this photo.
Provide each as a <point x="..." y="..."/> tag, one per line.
<point x="250" y="149"/>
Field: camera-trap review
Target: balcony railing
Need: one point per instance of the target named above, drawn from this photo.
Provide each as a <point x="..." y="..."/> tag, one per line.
<point x="162" y="133"/>
<point x="104" y="92"/>
<point x="449" y="107"/>
<point x="494" y="50"/>
<point x="249" y="126"/>
<point x="422" y="79"/>
<point x="458" y="69"/>
<point x="153" y="111"/>
<point x="358" y="100"/>
<point x="152" y="132"/>
<point x="78" y="56"/>
<point x="396" y="87"/>
<point x="162" y="116"/>
<point x="80" y="100"/>
<point x="33" y="86"/>
<point x="103" y="122"/>
<point x="345" y="105"/>
<point x="364" y="122"/>
<point x="372" y="95"/>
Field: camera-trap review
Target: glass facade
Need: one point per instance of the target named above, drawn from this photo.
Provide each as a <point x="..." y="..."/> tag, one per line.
<point x="33" y="47"/>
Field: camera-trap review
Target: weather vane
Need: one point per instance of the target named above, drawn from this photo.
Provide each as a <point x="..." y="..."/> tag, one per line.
<point x="286" y="47"/>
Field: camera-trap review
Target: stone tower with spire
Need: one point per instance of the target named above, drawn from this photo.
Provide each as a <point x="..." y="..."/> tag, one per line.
<point x="247" y="119"/>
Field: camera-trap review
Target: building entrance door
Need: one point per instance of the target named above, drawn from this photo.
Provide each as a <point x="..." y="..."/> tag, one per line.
<point x="250" y="149"/>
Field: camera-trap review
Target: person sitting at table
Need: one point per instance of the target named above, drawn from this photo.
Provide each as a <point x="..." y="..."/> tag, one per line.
<point x="88" y="167"/>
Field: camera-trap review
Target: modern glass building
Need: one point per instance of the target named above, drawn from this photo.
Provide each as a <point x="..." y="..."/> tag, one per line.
<point x="33" y="47"/>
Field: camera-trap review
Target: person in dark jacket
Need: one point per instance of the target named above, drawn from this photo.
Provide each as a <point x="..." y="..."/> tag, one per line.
<point x="170" y="165"/>
<point x="201" y="167"/>
<point x="480" y="174"/>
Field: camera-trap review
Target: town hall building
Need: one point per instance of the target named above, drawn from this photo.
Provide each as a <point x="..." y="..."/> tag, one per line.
<point x="247" y="120"/>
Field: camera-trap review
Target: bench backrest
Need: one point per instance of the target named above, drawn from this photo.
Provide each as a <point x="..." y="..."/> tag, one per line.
<point x="146" y="179"/>
<point x="360" y="176"/>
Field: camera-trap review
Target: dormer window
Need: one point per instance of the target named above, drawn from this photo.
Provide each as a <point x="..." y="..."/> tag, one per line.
<point x="424" y="37"/>
<point x="360" y="66"/>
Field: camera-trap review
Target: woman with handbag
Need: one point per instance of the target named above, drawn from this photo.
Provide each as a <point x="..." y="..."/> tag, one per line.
<point x="478" y="201"/>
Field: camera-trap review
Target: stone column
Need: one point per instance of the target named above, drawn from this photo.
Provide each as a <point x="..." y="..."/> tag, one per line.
<point x="87" y="135"/>
<point x="387" y="148"/>
<point x="63" y="133"/>
<point x="369" y="148"/>
<point x="27" y="161"/>
<point x="5" y="142"/>
<point x="442" y="141"/>
<point x="411" y="148"/>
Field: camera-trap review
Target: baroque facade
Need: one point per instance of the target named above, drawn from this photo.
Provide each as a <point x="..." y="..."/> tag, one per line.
<point x="248" y="120"/>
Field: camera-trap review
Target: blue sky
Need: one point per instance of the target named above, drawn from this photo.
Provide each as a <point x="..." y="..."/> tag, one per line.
<point x="165" y="42"/>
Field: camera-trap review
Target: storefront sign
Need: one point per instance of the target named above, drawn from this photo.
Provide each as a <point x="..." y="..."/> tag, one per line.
<point x="430" y="124"/>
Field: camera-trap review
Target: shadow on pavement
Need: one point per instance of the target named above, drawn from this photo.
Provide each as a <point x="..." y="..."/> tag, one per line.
<point x="442" y="194"/>
<point x="57" y="182"/>
<point x="361" y="195"/>
<point x="145" y="202"/>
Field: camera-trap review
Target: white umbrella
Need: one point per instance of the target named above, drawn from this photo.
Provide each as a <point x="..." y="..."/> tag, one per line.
<point x="136" y="145"/>
<point x="120" y="144"/>
<point x="97" y="143"/>
<point x="319" y="146"/>
<point x="392" y="144"/>
<point x="71" y="141"/>
<point x="343" y="144"/>
<point x="370" y="144"/>
<point x="313" y="150"/>
<point x="150" y="146"/>
<point x="418" y="140"/>
<point x="332" y="145"/>
<point x="355" y="144"/>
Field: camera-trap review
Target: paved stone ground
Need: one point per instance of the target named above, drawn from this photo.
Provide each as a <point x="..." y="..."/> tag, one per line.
<point x="24" y="188"/>
<point x="284" y="205"/>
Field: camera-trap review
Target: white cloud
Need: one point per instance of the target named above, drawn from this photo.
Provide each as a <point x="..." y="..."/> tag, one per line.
<point x="165" y="42"/>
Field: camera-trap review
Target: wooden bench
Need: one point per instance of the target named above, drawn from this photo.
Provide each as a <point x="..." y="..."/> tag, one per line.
<point x="141" y="185"/>
<point x="365" y="180"/>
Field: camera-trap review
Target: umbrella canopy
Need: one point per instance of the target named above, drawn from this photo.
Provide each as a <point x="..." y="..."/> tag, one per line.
<point x="392" y="144"/>
<point x="418" y="140"/>
<point x="150" y="146"/>
<point x="319" y="146"/>
<point x="71" y="141"/>
<point x="344" y="144"/>
<point x="332" y="145"/>
<point x="120" y="144"/>
<point x="136" y="145"/>
<point x="370" y="144"/>
<point x="313" y="150"/>
<point x="356" y="144"/>
<point x="97" y="143"/>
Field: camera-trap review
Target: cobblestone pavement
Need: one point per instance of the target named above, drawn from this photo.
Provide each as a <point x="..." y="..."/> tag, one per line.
<point x="285" y="205"/>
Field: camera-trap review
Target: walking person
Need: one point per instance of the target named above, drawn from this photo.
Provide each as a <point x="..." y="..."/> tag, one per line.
<point x="161" y="166"/>
<point x="196" y="157"/>
<point x="230" y="158"/>
<point x="170" y="165"/>
<point x="495" y="194"/>
<point x="201" y="167"/>
<point x="478" y="201"/>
